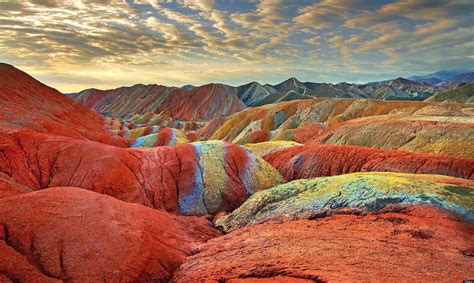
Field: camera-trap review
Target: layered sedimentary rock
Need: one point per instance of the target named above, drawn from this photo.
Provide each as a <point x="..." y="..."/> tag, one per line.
<point x="208" y="130"/>
<point x="420" y="243"/>
<point x="460" y="93"/>
<point x="265" y="148"/>
<point x="200" y="178"/>
<point x="202" y="103"/>
<point x="437" y="135"/>
<point x="70" y="234"/>
<point x="312" y="198"/>
<point x="412" y="126"/>
<point x="309" y="161"/>
<point x="216" y="100"/>
<point x="300" y="113"/>
<point x="199" y="103"/>
<point x="99" y="224"/>
<point x="162" y="137"/>
<point x="27" y="103"/>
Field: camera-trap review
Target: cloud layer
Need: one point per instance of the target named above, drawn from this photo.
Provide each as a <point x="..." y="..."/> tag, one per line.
<point x="74" y="44"/>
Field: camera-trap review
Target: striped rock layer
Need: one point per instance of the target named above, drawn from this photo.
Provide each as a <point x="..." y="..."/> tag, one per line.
<point x="194" y="179"/>
<point x="200" y="103"/>
<point x="162" y="137"/>
<point x="216" y="100"/>
<point x="309" y="161"/>
<point x="312" y="198"/>
<point x="414" y="126"/>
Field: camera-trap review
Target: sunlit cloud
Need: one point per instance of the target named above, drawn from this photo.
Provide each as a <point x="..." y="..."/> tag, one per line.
<point x="76" y="44"/>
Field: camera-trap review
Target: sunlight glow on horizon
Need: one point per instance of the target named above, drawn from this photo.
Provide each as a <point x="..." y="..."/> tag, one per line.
<point x="74" y="45"/>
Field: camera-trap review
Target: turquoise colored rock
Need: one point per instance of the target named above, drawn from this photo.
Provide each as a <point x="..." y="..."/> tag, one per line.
<point x="313" y="198"/>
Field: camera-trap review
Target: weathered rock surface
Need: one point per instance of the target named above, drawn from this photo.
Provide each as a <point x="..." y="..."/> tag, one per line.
<point x="72" y="234"/>
<point x="309" y="161"/>
<point x="216" y="100"/>
<point x="163" y="137"/>
<point x="199" y="103"/>
<point x="413" y="126"/>
<point x="421" y="243"/>
<point x="208" y="130"/>
<point x="196" y="179"/>
<point x="266" y="148"/>
<point x="423" y="135"/>
<point x="27" y="103"/>
<point x="312" y="198"/>
<point x="8" y="187"/>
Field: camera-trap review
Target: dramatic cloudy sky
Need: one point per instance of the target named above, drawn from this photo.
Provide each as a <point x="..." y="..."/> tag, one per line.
<point x="76" y="44"/>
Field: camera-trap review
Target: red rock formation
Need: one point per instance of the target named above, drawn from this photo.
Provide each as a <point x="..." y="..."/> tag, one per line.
<point x="210" y="127"/>
<point x="8" y="187"/>
<point x="202" y="103"/>
<point x="192" y="136"/>
<point x="309" y="161"/>
<point x="199" y="103"/>
<point x="447" y="135"/>
<point x="258" y="136"/>
<point x="76" y="235"/>
<point x="187" y="178"/>
<point x="422" y="243"/>
<point x="27" y="103"/>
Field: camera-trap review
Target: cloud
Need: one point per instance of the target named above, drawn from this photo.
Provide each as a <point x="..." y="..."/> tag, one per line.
<point x="202" y="39"/>
<point x="339" y="43"/>
<point x="202" y="5"/>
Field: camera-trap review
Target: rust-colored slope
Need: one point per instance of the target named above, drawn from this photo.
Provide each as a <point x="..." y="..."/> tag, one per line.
<point x="422" y="243"/>
<point x="309" y="161"/>
<point x="199" y="103"/>
<point x="202" y="103"/>
<point x="27" y="103"/>
<point x="71" y="234"/>
<point x="196" y="179"/>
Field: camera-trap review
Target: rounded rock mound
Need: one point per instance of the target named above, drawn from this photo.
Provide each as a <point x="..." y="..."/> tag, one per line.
<point x="418" y="243"/>
<point x="309" y="161"/>
<point x="357" y="192"/>
<point x="71" y="234"/>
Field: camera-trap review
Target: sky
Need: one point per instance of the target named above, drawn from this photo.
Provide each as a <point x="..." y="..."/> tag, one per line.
<point x="77" y="44"/>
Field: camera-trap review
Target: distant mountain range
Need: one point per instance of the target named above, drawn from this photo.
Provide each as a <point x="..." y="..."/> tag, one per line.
<point x="461" y="93"/>
<point x="445" y="78"/>
<point x="213" y="100"/>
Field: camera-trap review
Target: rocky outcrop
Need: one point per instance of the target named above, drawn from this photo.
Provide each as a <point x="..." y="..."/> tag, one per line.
<point x="360" y="192"/>
<point x="305" y="120"/>
<point x="162" y="137"/>
<point x="208" y="130"/>
<point x="265" y="148"/>
<point x="218" y="100"/>
<point x="198" y="103"/>
<point x="202" y="103"/>
<point x="70" y="234"/>
<point x="196" y="179"/>
<point x="436" y="135"/>
<point x="420" y="243"/>
<point x="309" y="161"/>
<point x="457" y="93"/>
<point x="25" y="103"/>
